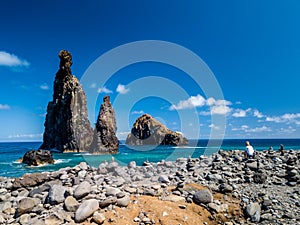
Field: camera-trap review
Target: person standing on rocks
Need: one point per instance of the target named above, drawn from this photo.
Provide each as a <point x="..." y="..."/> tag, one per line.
<point x="281" y="149"/>
<point x="249" y="151"/>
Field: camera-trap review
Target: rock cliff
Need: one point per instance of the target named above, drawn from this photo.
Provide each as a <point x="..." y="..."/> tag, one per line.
<point x="148" y="131"/>
<point x="105" y="139"/>
<point x="67" y="127"/>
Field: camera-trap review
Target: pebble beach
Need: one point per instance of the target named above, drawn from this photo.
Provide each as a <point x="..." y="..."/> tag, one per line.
<point x="223" y="188"/>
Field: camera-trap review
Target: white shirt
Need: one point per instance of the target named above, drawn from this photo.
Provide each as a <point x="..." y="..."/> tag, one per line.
<point x="249" y="150"/>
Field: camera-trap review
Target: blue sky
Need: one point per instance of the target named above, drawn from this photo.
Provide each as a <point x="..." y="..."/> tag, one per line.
<point x="251" y="47"/>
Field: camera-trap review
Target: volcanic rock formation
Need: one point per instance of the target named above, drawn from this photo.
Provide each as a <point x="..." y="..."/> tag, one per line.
<point x="67" y="127"/>
<point x="105" y="139"/>
<point x="37" y="158"/>
<point x="148" y="131"/>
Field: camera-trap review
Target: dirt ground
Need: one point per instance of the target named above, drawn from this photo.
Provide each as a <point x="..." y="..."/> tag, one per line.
<point x="173" y="213"/>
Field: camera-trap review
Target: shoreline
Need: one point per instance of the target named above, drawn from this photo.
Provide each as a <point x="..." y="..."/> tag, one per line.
<point x="265" y="190"/>
<point x="63" y="160"/>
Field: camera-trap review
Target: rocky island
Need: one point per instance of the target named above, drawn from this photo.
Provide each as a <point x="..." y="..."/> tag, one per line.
<point x="148" y="131"/>
<point x="37" y="158"/>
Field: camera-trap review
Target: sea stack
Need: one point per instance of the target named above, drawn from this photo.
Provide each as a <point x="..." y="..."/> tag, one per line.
<point x="67" y="127"/>
<point x="148" y="131"/>
<point x="105" y="139"/>
<point x="38" y="157"/>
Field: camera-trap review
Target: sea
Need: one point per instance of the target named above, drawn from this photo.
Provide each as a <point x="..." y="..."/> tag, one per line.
<point x="11" y="152"/>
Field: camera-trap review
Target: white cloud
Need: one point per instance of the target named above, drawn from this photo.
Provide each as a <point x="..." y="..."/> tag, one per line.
<point x="137" y="112"/>
<point x="275" y="119"/>
<point x="44" y="86"/>
<point x="247" y="129"/>
<point x="219" y="107"/>
<point x="205" y="113"/>
<point x="291" y="116"/>
<point x="212" y="102"/>
<point x="215" y="127"/>
<point x="191" y="102"/>
<point x="122" y="89"/>
<point x="220" y="110"/>
<point x="4" y="107"/>
<point x="285" y="118"/>
<point x="25" y="136"/>
<point x="123" y="135"/>
<point x="93" y="85"/>
<point x="288" y="130"/>
<point x="104" y="90"/>
<point x="258" y="114"/>
<point x="11" y="60"/>
<point x="259" y="129"/>
<point x="223" y="102"/>
<point x="243" y="127"/>
<point x="239" y="113"/>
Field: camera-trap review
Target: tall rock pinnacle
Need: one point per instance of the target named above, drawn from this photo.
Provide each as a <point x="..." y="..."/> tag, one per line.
<point x="67" y="127"/>
<point x="105" y="139"/>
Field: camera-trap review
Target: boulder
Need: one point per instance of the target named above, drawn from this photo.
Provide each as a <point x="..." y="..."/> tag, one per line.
<point x="225" y="188"/>
<point x="107" y="201"/>
<point x="5" y="205"/>
<point x="148" y="131"/>
<point x="25" y="205"/>
<point x="53" y="219"/>
<point x="164" y="179"/>
<point x="259" y="177"/>
<point x="56" y="194"/>
<point x="29" y="180"/>
<point x="67" y="127"/>
<point x="99" y="218"/>
<point x="39" y="157"/>
<point x="203" y="197"/>
<point x="218" y="208"/>
<point x="82" y="190"/>
<point x="25" y="219"/>
<point x="111" y="191"/>
<point x="86" y="209"/>
<point x="123" y="202"/>
<point x="253" y="211"/>
<point x="71" y="204"/>
<point x="105" y="139"/>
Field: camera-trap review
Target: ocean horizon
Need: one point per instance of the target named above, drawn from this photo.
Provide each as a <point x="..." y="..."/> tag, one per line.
<point x="11" y="152"/>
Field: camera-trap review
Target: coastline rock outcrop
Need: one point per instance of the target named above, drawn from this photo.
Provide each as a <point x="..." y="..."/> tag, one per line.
<point x="148" y="131"/>
<point x="38" y="157"/>
<point x="105" y="139"/>
<point x="67" y="127"/>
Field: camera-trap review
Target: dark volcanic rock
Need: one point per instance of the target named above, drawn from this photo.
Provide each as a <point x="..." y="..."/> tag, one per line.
<point x="105" y="139"/>
<point x="29" y="180"/>
<point x="203" y="196"/>
<point x="67" y="127"/>
<point x="39" y="157"/>
<point x="148" y="131"/>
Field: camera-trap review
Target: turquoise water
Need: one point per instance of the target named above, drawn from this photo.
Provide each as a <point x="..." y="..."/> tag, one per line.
<point x="11" y="152"/>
